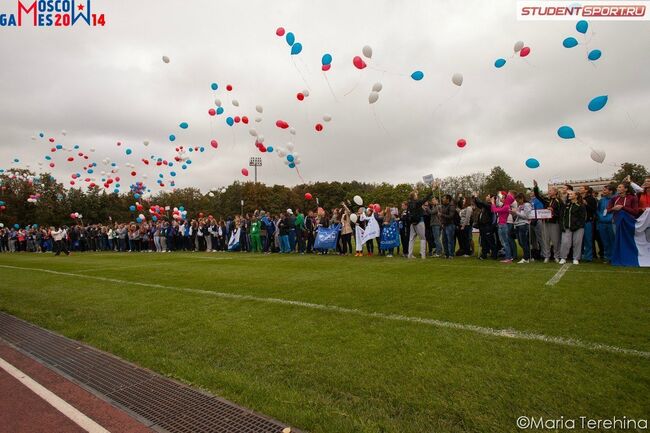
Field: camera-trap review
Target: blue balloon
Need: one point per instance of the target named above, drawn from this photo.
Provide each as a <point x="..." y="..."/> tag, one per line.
<point x="594" y="55"/>
<point x="138" y="220"/>
<point x="532" y="163"/>
<point x="41" y="135"/>
<point x="172" y="137"/>
<point x="566" y="132"/>
<point x="76" y="146"/>
<point x="417" y="75"/>
<point x="191" y="149"/>
<point x="16" y="226"/>
<point x="90" y="171"/>
<point x="499" y="63"/>
<point x="292" y="165"/>
<point x="269" y="149"/>
<point x="184" y="125"/>
<point x="128" y="151"/>
<point x="291" y="38"/>
<point x="570" y="42"/>
<point x="582" y="26"/>
<point x="48" y="157"/>
<point x="181" y="208"/>
<point x="327" y="59"/>
<point x="296" y="48"/>
<point x="154" y="218"/>
<point x="597" y="103"/>
<point x="189" y="161"/>
<point x="173" y="173"/>
<point x="59" y="146"/>
<point x="116" y="191"/>
<point x="290" y="158"/>
<point x="136" y="196"/>
<point x="132" y="208"/>
<point x="214" y="86"/>
<point x="219" y="110"/>
<point x="230" y="121"/>
<point x="184" y="167"/>
<point x="201" y="149"/>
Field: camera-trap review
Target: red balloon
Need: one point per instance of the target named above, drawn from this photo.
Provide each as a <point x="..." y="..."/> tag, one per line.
<point x="119" y="143"/>
<point x="133" y="173"/>
<point x="70" y="159"/>
<point x="377" y="208"/>
<point x="212" y="112"/>
<point x="319" y="127"/>
<point x="53" y="149"/>
<point x="280" y="31"/>
<point x="52" y="164"/>
<point x="308" y="196"/>
<point x="237" y="119"/>
<point x="229" y="88"/>
<point x="358" y="62"/>
<point x="139" y="207"/>
<point x="300" y="96"/>
<point x="461" y="143"/>
<point x="326" y="68"/>
<point x="51" y="140"/>
<point x="245" y="120"/>
<point x="244" y="171"/>
<point x="282" y="124"/>
<point x="524" y="52"/>
<point x="214" y="144"/>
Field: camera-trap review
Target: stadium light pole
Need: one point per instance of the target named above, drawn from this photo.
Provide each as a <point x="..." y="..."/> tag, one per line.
<point x="255" y="161"/>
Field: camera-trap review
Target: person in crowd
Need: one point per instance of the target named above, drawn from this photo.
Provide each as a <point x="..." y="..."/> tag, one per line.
<point x="573" y="216"/>
<point x="486" y="222"/>
<point x="448" y="216"/>
<point x="501" y="206"/>
<point x="284" y="227"/>
<point x="591" y="207"/>
<point x="346" y="231"/>
<point x="416" y="222"/>
<point x="522" y="215"/>
<point x="605" y="221"/>
<point x="256" y="241"/>
<point x="465" y="231"/>
<point x="59" y="236"/>
<point x="436" y="227"/>
<point x="550" y="228"/>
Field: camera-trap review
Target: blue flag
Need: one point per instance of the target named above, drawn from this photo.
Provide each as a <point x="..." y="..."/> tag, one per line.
<point x="390" y="236"/>
<point x="326" y="237"/>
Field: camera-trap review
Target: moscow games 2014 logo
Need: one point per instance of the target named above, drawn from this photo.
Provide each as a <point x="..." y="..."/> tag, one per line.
<point x="52" y="13"/>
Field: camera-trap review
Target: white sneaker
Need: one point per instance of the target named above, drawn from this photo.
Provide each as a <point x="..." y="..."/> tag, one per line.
<point x="557" y="261"/>
<point x="576" y="262"/>
<point x="562" y="262"/>
<point x="546" y="260"/>
<point x="522" y="261"/>
<point x="532" y="260"/>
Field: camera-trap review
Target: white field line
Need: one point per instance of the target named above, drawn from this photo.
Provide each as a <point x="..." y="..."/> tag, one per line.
<point x="558" y="275"/>
<point x="54" y="400"/>
<point x="493" y="332"/>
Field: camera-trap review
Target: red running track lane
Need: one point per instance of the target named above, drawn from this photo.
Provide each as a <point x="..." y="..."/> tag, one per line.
<point x="22" y="411"/>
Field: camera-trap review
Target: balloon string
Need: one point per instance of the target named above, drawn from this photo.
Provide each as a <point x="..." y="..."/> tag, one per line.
<point x="379" y="122"/>
<point x="446" y="101"/>
<point x="355" y="86"/>
<point x="300" y="73"/>
<point x="298" y="173"/>
<point x="330" y="87"/>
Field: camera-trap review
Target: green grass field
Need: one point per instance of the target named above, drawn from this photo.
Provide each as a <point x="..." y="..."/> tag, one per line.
<point x="361" y="351"/>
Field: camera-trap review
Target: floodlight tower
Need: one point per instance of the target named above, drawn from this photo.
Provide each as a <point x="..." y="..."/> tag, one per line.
<point x="255" y="161"/>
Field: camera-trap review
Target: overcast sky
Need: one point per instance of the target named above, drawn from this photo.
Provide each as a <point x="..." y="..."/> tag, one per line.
<point x="104" y="85"/>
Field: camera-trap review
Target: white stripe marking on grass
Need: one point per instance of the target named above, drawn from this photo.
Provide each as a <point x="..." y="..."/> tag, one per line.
<point x="493" y="332"/>
<point x="54" y="400"/>
<point x="558" y="275"/>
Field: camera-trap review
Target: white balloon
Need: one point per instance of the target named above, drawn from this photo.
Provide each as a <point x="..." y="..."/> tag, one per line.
<point x="144" y="176"/>
<point x="373" y="97"/>
<point x="223" y="190"/>
<point x="353" y="218"/>
<point x="327" y="118"/>
<point x="252" y="132"/>
<point x="259" y="109"/>
<point x="64" y="132"/>
<point x="146" y="142"/>
<point x="165" y="59"/>
<point x="457" y="79"/>
<point x="210" y="194"/>
<point x="367" y="51"/>
<point x="92" y="149"/>
<point x="290" y="147"/>
<point x="292" y="131"/>
<point x="598" y="155"/>
<point x="217" y="102"/>
<point x="305" y="92"/>
<point x="357" y="200"/>
<point x="260" y="138"/>
<point x="258" y="119"/>
<point x="235" y="103"/>
<point x="518" y="46"/>
<point x="33" y="137"/>
<point x="377" y="87"/>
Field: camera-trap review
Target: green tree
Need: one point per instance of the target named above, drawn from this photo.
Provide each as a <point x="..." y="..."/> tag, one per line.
<point x="499" y="180"/>
<point x="637" y="173"/>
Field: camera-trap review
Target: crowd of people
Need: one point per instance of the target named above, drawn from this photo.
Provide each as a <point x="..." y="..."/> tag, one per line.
<point x="568" y="223"/>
